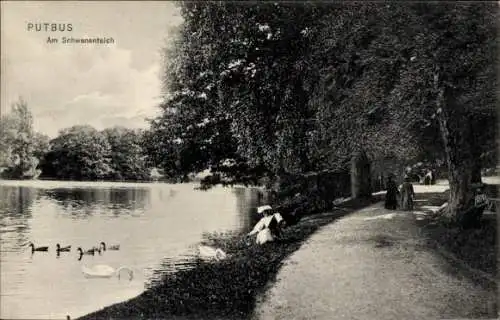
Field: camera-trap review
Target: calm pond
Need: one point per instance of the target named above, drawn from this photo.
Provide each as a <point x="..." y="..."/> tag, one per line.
<point x="158" y="227"/>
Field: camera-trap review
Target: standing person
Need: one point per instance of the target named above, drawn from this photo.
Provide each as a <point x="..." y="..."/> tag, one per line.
<point x="428" y="178"/>
<point x="380" y="182"/>
<point x="407" y="194"/>
<point x="433" y="179"/>
<point x="391" y="197"/>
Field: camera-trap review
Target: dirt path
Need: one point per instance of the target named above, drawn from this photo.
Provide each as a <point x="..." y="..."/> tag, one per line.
<point x="372" y="265"/>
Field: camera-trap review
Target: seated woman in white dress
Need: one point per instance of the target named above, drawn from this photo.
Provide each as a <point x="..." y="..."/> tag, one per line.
<point x="267" y="229"/>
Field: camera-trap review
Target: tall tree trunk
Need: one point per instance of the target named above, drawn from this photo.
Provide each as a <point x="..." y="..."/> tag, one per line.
<point x="360" y="176"/>
<point x="476" y="172"/>
<point x="459" y="155"/>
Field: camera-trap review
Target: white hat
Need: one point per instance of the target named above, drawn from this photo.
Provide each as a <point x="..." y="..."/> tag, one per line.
<point x="264" y="208"/>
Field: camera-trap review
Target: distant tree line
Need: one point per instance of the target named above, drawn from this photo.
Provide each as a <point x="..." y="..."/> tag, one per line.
<point x="77" y="153"/>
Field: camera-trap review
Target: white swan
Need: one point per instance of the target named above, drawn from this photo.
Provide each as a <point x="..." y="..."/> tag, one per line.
<point x="105" y="271"/>
<point x="212" y="253"/>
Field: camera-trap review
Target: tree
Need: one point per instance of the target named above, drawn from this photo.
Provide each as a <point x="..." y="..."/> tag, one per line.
<point x="195" y="132"/>
<point x="41" y="144"/>
<point x="357" y="60"/>
<point x="128" y="159"/>
<point x="7" y="135"/>
<point x="452" y="79"/>
<point x="17" y="142"/>
<point x="388" y="63"/>
<point x="235" y="81"/>
<point x="78" y="153"/>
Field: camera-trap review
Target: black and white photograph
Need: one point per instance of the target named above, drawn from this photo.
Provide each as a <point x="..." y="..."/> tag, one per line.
<point x="260" y="160"/>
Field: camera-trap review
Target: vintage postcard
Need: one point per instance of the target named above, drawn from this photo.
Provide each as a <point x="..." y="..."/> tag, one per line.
<point x="248" y="160"/>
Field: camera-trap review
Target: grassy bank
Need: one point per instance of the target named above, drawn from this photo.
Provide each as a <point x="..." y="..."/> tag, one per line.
<point x="226" y="289"/>
<point x="475" y="247"/>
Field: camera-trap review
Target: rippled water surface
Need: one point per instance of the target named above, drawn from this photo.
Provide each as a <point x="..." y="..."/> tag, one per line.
<point x="158" y="227"/>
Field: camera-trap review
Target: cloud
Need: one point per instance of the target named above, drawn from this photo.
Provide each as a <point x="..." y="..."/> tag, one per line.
<point x="100" y="85"/>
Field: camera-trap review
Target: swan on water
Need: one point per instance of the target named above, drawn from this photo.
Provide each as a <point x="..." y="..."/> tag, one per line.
<point x="33" y="248"/>
<point x="111" y="247"/>
<point x="62" y="249"/>
<point x="105" y="271"/>
<point x="211" y="252"/>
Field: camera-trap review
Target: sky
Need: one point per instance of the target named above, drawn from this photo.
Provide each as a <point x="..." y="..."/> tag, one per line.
<point x="102" y="85"/>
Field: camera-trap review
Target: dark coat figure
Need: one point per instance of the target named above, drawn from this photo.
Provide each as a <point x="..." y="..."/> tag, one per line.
<point x="391" y="197"/>
<point x="407" y="195"/>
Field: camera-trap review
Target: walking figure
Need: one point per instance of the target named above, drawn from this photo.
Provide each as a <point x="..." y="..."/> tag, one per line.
<point x="391" y="197"/>
<point x="407" y="194"/>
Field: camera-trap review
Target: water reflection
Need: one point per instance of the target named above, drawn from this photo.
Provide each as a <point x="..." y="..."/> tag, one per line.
<point x="247" y="200"/>
<point x="158" y="227"/>
<point x="111" y="201"/>
<point x="15" y="212"/>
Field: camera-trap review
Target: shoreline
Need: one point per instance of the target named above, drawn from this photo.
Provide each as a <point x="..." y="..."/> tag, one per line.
<point x="43" y="183"/>
<point x="227" y="289"/>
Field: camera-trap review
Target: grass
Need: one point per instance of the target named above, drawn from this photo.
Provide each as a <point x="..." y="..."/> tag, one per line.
<point x="227" y="289"/>
<point x="475" y="247"/>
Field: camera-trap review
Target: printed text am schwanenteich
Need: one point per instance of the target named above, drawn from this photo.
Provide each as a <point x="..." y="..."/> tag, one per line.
<point x="54" y="27"/>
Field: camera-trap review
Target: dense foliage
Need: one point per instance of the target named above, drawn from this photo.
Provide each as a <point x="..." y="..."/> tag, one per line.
<point x="20" y="147"/>
<point x="295" y="88"/>
<point x="84" y="153"/>
<point x="128" y="159"/>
